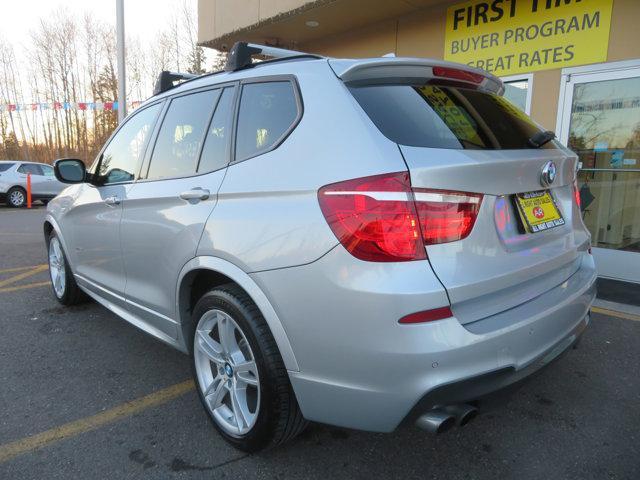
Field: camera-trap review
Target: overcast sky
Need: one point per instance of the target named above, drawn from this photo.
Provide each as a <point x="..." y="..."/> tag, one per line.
<point x="143" y="18"/>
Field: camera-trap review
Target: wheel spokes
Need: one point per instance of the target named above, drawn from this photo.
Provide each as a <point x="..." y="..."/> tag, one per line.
<point x="241" y="416"/>
<point x="210" y="348"/>
<point x="226" y="331"/>
<point x="215" y="393"/>
<point x="227" y="372"/>
<point x="247" y="372"/>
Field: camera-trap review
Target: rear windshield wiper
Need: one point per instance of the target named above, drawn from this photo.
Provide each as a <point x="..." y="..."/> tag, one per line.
<point x="540" y="138"/>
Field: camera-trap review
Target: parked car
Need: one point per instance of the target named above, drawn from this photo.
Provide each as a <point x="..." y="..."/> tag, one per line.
<point x="13" y="182"/>
<point x="362" y="243"/>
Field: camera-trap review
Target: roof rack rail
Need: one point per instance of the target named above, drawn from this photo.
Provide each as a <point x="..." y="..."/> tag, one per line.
<point x="240" y="54"/>
<point x="166" y="80"/>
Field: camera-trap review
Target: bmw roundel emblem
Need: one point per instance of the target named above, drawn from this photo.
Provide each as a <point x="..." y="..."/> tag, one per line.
<point x="548" y="174"/>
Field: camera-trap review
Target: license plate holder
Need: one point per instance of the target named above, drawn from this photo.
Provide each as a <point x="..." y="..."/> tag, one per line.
<point x="538" y="211"/>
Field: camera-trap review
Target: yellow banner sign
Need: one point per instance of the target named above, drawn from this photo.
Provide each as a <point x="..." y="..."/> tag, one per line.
<point x="506" y="37"/>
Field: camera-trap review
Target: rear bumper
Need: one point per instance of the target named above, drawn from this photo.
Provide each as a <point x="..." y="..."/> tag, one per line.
<point x="360" y="369"/>
<point x="476" y="387"/>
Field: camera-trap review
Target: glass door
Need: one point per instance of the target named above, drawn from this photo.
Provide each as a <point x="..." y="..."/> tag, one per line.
<point x="600" y="121"/>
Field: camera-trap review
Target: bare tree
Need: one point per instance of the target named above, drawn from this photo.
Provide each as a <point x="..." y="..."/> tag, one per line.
<point x="69" y="65"/>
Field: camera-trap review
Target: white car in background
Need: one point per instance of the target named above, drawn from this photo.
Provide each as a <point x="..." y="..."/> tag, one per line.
<point x="13" y="182"/>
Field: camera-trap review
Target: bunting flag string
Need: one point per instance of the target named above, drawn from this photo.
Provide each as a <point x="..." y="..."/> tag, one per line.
<point x="84" y="106"/>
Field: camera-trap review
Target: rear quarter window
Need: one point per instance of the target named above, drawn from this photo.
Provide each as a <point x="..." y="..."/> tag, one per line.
<point x="6" y="166"/>
<point x="446" y="116"/>
<point x="268" y="112"/>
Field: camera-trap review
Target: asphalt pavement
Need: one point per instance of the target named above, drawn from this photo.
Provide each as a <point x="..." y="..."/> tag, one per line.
<point x="83" y="395"/>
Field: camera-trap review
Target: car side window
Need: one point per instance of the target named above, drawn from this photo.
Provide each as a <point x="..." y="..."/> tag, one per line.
<point x="47" y="171"/>
<point x="267" y="111"/>
<point x="214" y="152"/>
<point x="119" y="161"/>
<point x="178" y="145"/>
<point x="30" y="168"/>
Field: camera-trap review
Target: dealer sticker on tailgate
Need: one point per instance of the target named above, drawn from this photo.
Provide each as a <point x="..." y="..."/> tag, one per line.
<point x="538" y="211"/>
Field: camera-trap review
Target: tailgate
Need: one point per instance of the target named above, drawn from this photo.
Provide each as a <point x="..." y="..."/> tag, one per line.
<point x="458" y="136"/>
<point x="500" y="265"/>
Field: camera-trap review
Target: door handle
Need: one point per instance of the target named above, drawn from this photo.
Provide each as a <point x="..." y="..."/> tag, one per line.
<point x="195" y="194"/>
<point x="112" y="200"/>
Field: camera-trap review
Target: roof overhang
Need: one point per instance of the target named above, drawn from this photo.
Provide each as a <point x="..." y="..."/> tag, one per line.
<point x="222" y="22"/>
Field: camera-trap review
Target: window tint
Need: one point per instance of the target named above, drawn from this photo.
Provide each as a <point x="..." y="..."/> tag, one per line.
<point x="176" y="151"/>
<point x="30" y="168"/>
<point x="48" y="171"/>
<point x="267" y="110"/>
<point x="120" y="159"/>
<point x="446" y="116"/>
<point x="6" y="166"/>
<point x="214" y="153"/>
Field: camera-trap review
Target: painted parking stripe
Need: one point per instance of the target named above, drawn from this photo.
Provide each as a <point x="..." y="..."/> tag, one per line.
<point x="20" y="269"/>
<point x="24" y="287"/>
<point x="22" y="276"/>
<point x="77" y="427"/>
<point x="615" y="313"/>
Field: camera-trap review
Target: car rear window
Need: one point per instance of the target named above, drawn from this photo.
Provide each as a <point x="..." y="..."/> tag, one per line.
<point x="5" y="166"/>
<point x="446" y="116"/>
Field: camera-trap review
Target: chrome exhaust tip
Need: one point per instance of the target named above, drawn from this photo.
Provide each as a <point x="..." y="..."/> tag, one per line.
<point x="436" y="421"/>
<point x="463" y="413"/>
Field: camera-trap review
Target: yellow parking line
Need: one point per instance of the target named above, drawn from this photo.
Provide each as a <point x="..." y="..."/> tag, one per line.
<point x="71" y="429"/>
<point x="22" y="276"/>
<point x="20" y="269"/>
<point x="24" y="287"/>
<point x="615" y="313"/>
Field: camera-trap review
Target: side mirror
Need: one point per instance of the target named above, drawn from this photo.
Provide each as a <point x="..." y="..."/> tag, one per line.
<point x="70" y="170"/>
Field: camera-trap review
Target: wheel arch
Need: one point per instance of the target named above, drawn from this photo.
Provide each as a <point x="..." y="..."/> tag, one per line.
<point x="200" y="274"/>
<point x="50" y="225"/>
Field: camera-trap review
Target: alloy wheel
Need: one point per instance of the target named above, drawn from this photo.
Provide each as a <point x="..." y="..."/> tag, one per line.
<point x="57" y="269"/>
<point x="227" y="373"/>
<point x="17" y="198"/>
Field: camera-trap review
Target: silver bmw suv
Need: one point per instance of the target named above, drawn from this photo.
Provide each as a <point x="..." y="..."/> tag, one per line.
<point x="362" y="243"/>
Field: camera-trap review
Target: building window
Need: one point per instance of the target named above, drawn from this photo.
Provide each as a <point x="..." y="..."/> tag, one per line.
<point x="517" y="89"/>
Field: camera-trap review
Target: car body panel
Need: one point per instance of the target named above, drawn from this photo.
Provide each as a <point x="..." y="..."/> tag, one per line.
<point x="282" y="184"/>
<point x="92" y="230"/>
<point x="160" y="232"/>
<point x="498" y="267"/>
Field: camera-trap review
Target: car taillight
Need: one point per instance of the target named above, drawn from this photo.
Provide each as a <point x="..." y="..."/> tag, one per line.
<point x="446" y="216"/>
<point x="374" y="217"/>
<point x="458" y="74"/>
<point x="381" y="219"/>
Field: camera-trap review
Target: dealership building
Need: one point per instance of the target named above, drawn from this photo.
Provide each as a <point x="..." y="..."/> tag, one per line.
<point x="573" y="65"/>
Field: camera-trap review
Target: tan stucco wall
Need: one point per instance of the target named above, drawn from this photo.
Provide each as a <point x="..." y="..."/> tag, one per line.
<point x="422" y="34"/>
<point x="370" y="41"/>
<point x="219" y="17"/>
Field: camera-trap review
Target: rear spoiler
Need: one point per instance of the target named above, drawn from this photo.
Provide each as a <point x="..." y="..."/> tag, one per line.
<point x="386" y="70"/>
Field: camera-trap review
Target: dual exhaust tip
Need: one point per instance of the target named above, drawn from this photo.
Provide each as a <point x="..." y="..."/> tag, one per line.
<point x="441" y="419"/>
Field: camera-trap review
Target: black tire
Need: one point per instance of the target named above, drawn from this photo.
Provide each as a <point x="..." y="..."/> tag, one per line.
<point x="279" y="417"/>
<point x="16" y="192"/>
<point x="72" y="294"/>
